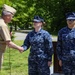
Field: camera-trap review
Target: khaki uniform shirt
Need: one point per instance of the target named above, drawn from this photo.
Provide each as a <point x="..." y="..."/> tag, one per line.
<point x="4" y="35"/>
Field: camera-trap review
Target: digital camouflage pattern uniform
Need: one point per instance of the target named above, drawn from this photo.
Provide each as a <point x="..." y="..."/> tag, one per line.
<point x="41" y="50"/>
<point x="66" y="50"/>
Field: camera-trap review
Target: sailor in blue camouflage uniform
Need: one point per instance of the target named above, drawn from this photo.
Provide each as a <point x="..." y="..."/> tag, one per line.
<point x="41" y="49"/>
<point x="66" y="45"/>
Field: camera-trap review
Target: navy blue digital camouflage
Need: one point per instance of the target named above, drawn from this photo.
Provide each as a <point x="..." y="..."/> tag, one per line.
<point x="66" y="50"/>
<point x="41" y="50"/>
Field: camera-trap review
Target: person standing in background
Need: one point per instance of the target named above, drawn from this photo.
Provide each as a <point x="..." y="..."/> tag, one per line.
<point x="5" y="38"/>
<point x="66" y="45"/>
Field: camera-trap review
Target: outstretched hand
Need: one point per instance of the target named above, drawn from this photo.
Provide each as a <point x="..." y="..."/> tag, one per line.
<point x="21" y="49"/>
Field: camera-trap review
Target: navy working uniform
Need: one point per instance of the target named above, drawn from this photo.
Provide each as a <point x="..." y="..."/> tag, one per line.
<point x="66" y="50"/>
<point x="41" y="50"/>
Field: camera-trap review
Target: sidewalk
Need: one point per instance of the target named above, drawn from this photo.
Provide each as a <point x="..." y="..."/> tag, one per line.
<point x="20" y="36"/>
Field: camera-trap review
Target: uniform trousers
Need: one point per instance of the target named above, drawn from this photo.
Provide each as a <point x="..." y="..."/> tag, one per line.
<point x="68" y="67"/>
<point x="1" y="59"/>
<point x="38" y="66"/>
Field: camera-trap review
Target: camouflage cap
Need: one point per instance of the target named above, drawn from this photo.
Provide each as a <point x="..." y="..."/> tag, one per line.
<point x="38" y="19"/>
<point x="70" y="16"/>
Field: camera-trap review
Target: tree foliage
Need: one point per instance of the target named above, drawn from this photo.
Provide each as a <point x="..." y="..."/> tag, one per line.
<point x="53" y="11"/>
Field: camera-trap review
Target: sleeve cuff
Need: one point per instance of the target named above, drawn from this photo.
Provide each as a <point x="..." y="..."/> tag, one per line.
<point x="50" y="59"/>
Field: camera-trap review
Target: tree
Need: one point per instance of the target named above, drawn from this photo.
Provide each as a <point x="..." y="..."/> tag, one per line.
<point x="53" y="11"/>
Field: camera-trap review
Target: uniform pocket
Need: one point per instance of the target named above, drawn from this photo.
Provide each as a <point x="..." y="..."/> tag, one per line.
<point x="72" y="52"/>
<point x="64" y="37"/>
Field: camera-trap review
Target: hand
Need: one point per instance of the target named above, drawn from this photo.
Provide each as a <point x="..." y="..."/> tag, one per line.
<point x="49" y="63"/>
<point x="21" y="49"/>
<point x="60" y="63"/>
<point x="13" y="45"/>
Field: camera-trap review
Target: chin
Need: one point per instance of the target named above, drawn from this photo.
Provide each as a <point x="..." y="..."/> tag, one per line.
<point x="9" y="21"/>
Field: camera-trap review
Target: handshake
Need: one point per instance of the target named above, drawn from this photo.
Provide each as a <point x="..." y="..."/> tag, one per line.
<point x="14" y="46"/>
<point x="21" y="49"/>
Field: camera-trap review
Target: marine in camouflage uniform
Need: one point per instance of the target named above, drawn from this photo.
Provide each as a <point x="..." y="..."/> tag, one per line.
<point x="66" y="45"/>
<point x="41" y="50"/>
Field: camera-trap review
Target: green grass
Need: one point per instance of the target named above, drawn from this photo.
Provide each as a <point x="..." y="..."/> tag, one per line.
<point x="18" y="63"/>
<point x="15" y="63"/>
